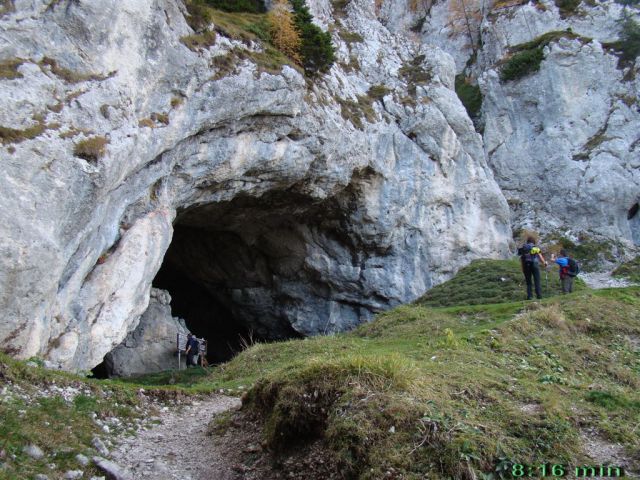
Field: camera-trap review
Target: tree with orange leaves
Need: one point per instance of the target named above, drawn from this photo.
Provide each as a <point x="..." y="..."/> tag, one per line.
<point x="284" y="34"/>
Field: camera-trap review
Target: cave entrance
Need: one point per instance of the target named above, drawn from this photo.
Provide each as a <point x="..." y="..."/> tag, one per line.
<point x="205" y="316"/>
<point x="238" y="271"/>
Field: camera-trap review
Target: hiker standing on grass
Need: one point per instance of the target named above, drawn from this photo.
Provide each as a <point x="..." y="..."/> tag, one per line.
<point x="530" y="258"/>
<point x="193" y="347"/>
<point x="568" y="270"/>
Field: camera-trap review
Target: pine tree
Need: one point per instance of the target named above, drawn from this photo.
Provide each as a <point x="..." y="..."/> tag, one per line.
<point x="318" y="53"/>
<point x="284" y="34"/>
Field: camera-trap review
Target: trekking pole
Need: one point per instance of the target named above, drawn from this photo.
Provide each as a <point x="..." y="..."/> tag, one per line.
<point x="546" y="278"/>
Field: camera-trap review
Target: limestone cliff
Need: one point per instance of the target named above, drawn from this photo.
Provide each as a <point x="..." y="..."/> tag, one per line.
<point x="303" y="205"/>
<point x="563" y="139"/>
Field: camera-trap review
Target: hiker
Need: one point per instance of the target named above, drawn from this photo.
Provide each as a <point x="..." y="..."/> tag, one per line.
<point x="568" y="270"/>
<point x="530" y="259"/>
<point x="193" y="348"/>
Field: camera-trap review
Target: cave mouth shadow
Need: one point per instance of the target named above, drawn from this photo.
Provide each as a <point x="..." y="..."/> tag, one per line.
<point x="204" y="315"/>
<point x="225" y="266"/>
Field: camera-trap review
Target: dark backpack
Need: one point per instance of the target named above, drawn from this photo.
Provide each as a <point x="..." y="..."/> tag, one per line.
<point x="574" y="268"/>
<point x="525" y="252"/>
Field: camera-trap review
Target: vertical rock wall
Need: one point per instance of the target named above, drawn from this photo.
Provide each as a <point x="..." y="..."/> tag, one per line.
<point x="118" y="129"/>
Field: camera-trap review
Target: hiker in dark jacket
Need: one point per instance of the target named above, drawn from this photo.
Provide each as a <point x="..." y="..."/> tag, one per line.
<point x="193" y="348"/>
<point x="530" y="258"/>
<point x="563" y="263"/>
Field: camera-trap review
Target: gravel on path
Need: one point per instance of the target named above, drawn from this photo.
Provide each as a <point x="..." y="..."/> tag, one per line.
<point x="178" y="447"/>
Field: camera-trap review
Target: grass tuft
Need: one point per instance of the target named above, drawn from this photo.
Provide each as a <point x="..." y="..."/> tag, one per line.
<point x="91" y="149"/>
<point x="9" y="68"/>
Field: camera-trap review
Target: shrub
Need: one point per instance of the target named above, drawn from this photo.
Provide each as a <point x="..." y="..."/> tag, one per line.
<point x="415" y="74"/>
<point x="316" y="48"/>
<point x="629" y="43"/>
<point x="284" y="34"/>
<point x="91" y="149"/>
<point x="522" y="64"/>
<point x="469" y="95"/>
<point x="199" y="15"/>
<point x="377" y="92"/>
<point x="567" y="7"/>
<point x="250" y="6"/>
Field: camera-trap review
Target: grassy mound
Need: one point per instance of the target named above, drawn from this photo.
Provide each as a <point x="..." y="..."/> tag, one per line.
<point x="491" y="281"/>
<point x="454" y="393"/>
<point x="630" y="270"/>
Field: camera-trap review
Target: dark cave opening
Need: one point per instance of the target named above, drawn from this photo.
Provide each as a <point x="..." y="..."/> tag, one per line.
<point x="268" y="268"/>
<point x="205" y="316"/>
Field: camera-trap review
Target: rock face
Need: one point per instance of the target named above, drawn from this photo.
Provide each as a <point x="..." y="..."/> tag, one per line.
<point x="562" y="141"/>
<point x="151" y="347"/>
<point x="322" y="205"/>
<point x="303" y="206"/>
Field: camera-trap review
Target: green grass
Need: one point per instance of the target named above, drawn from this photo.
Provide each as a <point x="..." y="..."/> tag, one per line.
<point x="526" y="57"/>
<point x="62" y="429"/>
<point x="456" y="387"/>
<point x="630" y="270"/>
<point x="491" y="281"/>
<point x="469" y="95"/>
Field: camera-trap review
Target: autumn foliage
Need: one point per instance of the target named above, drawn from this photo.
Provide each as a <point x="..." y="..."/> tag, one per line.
<point x="284" y="34"/>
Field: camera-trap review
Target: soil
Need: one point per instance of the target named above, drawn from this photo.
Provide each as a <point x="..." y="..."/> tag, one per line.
<point x="194" y="441"/>
<point x="178" y="446"/>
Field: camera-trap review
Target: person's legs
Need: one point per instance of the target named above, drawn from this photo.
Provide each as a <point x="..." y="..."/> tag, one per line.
<point x="566" y="284"/>
<point x="536" y="278"/>
<point x="527" y="278"/>
<point x="569" y="284"/>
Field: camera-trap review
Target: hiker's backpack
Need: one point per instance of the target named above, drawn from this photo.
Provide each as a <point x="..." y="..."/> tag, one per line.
<point x="574" y="268"/>
<point x="525" y="252"/>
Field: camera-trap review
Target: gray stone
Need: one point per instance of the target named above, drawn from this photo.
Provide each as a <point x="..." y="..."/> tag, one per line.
<point x="100" y="447"/>
<point x="82" y="460"/>
<point x="73" y="474"/>
<point x="111" y="470"/>
<point x="151" y="347"/>
<point x="33" y="451"/>
<point x="328" y="220"/>
<point x="41" y="476"/>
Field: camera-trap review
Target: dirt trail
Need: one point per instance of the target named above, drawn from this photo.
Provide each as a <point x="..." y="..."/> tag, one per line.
<point x="178" y="447"/>
<point x="604" y="280"/>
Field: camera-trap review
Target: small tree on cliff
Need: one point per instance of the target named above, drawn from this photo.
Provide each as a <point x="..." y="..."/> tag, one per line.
<point x="284" y="34"/>
<point x="316" y="48"/>
<point x="465" y="16"/>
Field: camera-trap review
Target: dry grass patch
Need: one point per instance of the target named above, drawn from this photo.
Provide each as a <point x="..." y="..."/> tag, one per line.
<point x="91" y="149"/>
<point x="66" y="74"/>
<point x="9" y="68"/>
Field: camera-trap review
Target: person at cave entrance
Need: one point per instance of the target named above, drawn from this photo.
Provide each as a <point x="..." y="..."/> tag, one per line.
<point x="193" y="347"/>
<point x="530" y="259"/>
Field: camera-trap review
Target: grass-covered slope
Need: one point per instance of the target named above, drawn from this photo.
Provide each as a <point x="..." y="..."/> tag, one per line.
<point x="629" y="270"/>
<point x="461" y="391"/>
<point x="61" y="414"/>
<point x="492" y="281"/>
<point x="456" y="394"/>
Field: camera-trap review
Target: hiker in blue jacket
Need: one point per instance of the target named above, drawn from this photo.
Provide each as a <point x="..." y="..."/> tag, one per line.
<point x="563" y="264"/>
